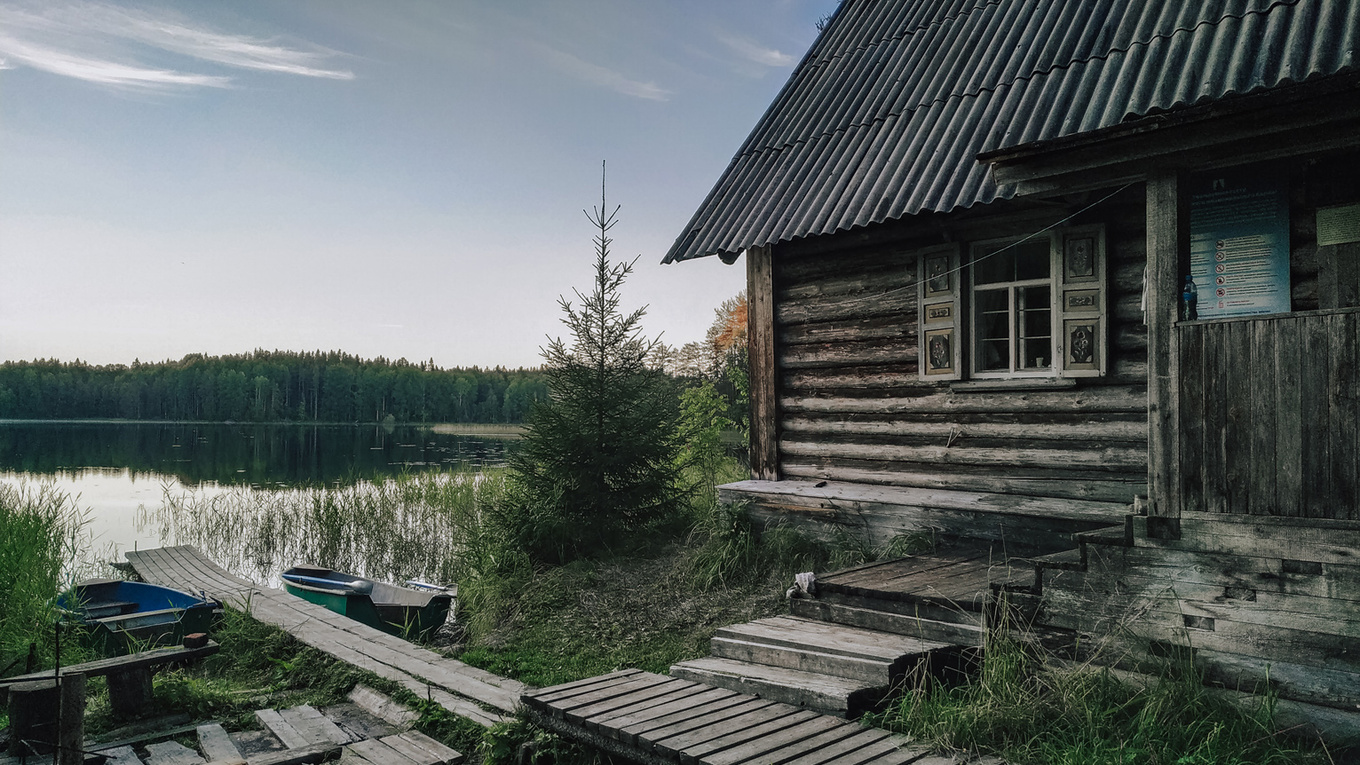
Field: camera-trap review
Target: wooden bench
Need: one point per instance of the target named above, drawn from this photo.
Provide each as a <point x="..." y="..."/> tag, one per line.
<point x="129" y="676"/>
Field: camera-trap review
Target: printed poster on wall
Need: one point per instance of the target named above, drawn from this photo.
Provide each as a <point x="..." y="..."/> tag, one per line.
<point x="1239" y="245"/>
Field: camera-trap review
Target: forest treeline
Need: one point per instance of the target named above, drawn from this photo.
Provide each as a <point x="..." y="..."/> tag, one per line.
<point x="268" y="386"/>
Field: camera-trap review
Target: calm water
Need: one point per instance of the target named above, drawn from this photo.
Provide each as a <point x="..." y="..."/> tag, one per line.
<point x="117" y="468"/>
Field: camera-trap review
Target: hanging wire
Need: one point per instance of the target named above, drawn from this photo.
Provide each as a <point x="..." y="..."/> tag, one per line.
<point x="1012" y="245"/>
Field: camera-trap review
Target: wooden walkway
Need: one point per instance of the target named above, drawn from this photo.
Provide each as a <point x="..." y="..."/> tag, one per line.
<point x="661" y="720"/>
<point x="451" y="683"/>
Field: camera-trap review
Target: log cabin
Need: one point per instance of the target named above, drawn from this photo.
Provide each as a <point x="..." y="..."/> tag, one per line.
<point x="1080" y="278"/>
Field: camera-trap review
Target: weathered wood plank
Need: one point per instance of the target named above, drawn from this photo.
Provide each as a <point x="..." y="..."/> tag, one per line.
<point x="1101" y="457"/>
<point x="581" y="714"/>
<point x="1133" y="430"/>
<point x="291" y="737"/>
<point x="415" y="741"/>
<point x="760" y="331"/>
<point x="650" y="740"/>
<point x="693" y="738"/>
<point x="849" y="330"/>
<point x="556" y="693"/>
<point x="780" y="745"/>
<point x="1289" y="423"/>
<point x="380" y="706"/>
<point x="171" y="753"/>
<point x="1343" y="399"/>
<point x="379" y="753"/>
<point x="314" y="725"/>
<point x="1107" y="488"/>
<point x="1321" y="541"/>
<point x="1130" y="398"/>
<point x="631" y="729"/>
<point x="1261" y="369"/>
<point x="1167" y="235"/>
<point x="1190" y="347"/>
<point x="216" y="744"/>
<point x="1313" y="382"/>
<point x="1215" y="407"/>
<point x="122" y="755"/>
<point x="902" y="351"/>
<point x="654" y="707"/>
<point x="1237" y="418"/>
<point x="754" y="731"/>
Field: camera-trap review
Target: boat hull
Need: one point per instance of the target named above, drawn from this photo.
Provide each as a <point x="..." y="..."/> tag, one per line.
<point x="399" y="611"/>
<point x="121" y="617"/>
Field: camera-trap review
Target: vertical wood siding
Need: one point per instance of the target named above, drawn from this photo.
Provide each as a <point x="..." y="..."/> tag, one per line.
<point x="852" y="407"/>
<point x="1270" y="415"/>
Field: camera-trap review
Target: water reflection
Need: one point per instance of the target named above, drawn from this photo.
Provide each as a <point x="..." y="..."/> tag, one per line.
<point x="258" y="455"/>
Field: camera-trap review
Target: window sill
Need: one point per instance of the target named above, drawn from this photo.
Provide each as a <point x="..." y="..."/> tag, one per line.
<point x="1013" y="384"/>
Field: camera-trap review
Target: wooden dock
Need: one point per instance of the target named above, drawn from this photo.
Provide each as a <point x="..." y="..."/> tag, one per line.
<point x="661" y="720"/>
<point x="464" y="690"/>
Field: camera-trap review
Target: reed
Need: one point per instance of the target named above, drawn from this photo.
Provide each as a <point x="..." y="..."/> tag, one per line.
<point x="41" y="538"/>
<point x="428" y="526"/>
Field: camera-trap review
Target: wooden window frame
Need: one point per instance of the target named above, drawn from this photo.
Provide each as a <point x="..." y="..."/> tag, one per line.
<point x="1079" y="320"/>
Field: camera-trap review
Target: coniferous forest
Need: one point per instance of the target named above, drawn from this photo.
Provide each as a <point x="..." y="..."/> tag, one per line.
<point x="268" y="386"/>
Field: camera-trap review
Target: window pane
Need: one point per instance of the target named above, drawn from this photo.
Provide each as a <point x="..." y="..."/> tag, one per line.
<point x="996" y="354"/>
<point x="1032" y="260"/>
<point x="994" y="266"/>
<point x="1036" y="327"/>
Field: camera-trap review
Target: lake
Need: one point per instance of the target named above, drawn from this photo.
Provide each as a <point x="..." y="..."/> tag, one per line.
<point x="117" y="468"/>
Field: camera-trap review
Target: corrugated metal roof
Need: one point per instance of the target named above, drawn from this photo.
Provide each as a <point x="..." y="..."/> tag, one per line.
<point x="886" y="114"/>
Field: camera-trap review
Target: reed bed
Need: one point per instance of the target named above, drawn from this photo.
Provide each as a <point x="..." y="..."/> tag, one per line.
<point x="42" y="539"/>
<point x="426" y="526"/>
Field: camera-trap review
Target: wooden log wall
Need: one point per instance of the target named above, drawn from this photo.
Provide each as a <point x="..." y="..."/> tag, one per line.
<point x="1270" y="415"/>
<point x="1256" y="603"/>
<point x="853" y="408"/>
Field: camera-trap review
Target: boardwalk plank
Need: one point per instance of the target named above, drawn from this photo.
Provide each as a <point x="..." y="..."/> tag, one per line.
<point x="680" y="742"/>
<point x="410" y="751"/>
<point x="379" y="753"/>
<point x="746" y="704"/>
<point x="444" y="753"/>
<point x="291" y="737"/>
<point x="747" y="734"/>
<point x="817" y="743"/>
<point x="688" y="691"/>
<point x="171" y="753"/>
<point x="560" y="693"/>
<point x="883" y="748"/>
<point x="216" y="744"/>
<point x="866" y="738"/>
<point x="315" y="725"/>
<point x="626" y="727"/>
<point x="613" y="691"/>
<point x="642" y="695"/>
<point x="780" y="740"/>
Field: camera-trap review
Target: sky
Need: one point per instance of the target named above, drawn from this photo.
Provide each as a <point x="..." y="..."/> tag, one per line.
<point x="401" y="178"/>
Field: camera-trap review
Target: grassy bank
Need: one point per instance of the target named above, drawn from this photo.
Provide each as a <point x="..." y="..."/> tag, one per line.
<point x="41" y="541"/>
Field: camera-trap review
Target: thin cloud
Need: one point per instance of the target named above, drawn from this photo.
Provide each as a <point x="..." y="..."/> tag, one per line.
<point x="603" y="76"/>
<point x="100" y="43"/>
<point x="755" y="52"/>
<point x="103" y="72"/>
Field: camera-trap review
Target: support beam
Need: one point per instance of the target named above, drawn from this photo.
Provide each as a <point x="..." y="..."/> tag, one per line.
<point x="760" y="340"/>
<point x="1167" y="245"/>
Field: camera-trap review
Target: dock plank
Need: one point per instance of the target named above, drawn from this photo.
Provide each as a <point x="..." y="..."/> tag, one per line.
<point x="216" y="744"/>
<point x="185" y="567"/>
<point x="171" y="753"/>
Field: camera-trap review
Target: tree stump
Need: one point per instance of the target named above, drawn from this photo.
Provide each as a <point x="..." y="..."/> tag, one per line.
<point x="33" y="717"/>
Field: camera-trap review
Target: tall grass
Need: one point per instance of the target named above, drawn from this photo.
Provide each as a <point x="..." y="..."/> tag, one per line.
<point x="430" y="526"/>
<point x="1029" y="709"/>
<point x="41" y="539"/>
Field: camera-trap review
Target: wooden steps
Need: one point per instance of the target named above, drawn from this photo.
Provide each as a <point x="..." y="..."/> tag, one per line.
<point x="838" y="696"/>
<point x="659" y="720"/>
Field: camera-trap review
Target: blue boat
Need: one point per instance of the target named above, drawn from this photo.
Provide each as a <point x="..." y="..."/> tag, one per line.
<point x="124" y="617"/>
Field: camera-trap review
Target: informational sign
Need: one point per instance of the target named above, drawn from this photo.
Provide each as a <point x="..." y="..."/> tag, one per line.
<point x="1239" y="245"/>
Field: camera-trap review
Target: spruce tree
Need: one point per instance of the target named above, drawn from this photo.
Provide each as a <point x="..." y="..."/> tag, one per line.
<point x="599" y="457"/>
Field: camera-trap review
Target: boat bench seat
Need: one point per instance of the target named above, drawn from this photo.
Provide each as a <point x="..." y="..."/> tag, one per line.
<point x="129" y="677"/>
<point x="109" y="608"/>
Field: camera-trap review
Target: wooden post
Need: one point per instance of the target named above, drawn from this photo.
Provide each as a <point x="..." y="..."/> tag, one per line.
<point x="129" y="692"/>
<point x="1167" y="239"/>
<point x="71" y="731"/>
<point x="32" y="717"/>
<point x="760" y="339"/>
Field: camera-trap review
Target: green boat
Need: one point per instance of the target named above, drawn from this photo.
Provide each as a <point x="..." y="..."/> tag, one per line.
<point x="409" y="612"/>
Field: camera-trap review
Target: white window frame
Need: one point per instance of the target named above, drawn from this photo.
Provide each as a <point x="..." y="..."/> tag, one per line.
<point x="1013" y="371"/>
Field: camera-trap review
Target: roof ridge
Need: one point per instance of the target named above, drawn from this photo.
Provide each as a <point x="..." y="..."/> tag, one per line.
<point x="993" y="88"/>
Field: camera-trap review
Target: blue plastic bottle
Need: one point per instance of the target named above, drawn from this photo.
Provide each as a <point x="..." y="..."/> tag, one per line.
<point x="1189" y="300"/>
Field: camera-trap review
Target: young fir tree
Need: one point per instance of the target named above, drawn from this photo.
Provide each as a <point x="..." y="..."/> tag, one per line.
<point x="599" y="457"/>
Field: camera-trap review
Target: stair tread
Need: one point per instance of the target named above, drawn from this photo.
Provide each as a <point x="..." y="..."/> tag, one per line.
<point x="793" y="678"/>
<point x="827" y="637"/>
<point x="1066" y="560"/>
<point x="947" y="632"/>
